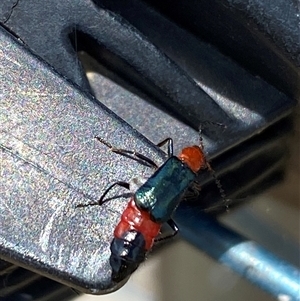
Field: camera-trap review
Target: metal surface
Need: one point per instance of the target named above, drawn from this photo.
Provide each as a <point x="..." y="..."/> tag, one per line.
<point x="50" y="161"/>
<point x="244" y="103"/>
<point x="245" y="257"/>
<point x="22" y="284"/>
<point x="261" y="36"/>
<point x="41" y="289"/>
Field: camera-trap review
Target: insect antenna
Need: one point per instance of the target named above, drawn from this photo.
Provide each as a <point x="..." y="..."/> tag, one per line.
<point x="208" y="166"/>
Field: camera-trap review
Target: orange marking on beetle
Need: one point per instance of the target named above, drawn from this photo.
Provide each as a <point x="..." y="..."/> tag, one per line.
<point x="193" y="157"/>
<point x="139" y="220"/>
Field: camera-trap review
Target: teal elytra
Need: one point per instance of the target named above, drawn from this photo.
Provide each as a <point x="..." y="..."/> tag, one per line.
<point x="163" y="191"/>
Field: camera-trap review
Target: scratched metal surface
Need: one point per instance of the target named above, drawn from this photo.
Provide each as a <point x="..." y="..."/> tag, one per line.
<point x="50" y="160"/>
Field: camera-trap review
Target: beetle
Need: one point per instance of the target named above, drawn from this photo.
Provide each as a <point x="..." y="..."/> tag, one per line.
<point x="153" y="202"/>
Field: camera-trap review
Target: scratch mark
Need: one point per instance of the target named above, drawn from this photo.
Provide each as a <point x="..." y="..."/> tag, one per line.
<point x="2" y="54"/>
<point x="15" y="154"/>
<point x="40" y="94"/>
<point x="11" y="11"/>
<point x="45" y="234"/>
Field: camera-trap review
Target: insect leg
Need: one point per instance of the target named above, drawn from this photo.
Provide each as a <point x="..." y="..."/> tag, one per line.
<point x="101" y="200"/>
<point x="193" y="191"/>
<point x="127" y="152"/>
<point x="170" y="146"/>
<point x="175" y="229"/>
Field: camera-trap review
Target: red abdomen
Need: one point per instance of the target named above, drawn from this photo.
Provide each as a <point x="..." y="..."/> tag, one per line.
<point x="139" y="220"/>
